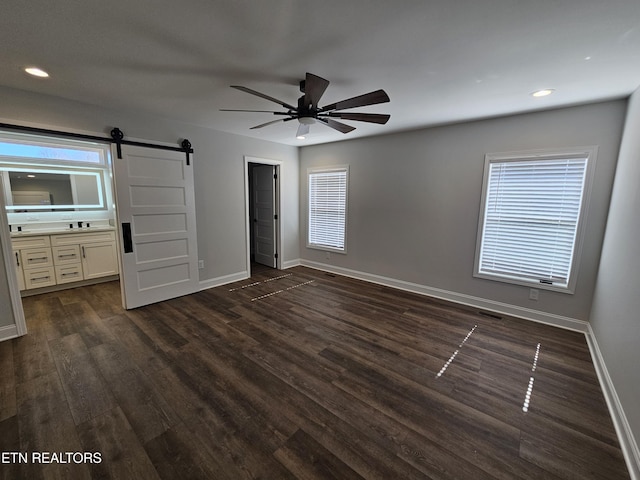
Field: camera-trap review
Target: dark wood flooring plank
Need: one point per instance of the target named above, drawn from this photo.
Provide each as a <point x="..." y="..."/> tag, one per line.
<point x="91" y="327"/>
<point x="10" y="442"/>
<point x="153" y="322"/>
<point x="206" y="383"/>
<point x="367" y="439"/>
<point x="146" y="354"/>
<point x="7" y="382"/>
<point x="441" y="419"/>
<point x="196" y="321"/>
<point x="105" y="299"/>
<point x="122" y="454"/>
<point x="143" y="404"/>
<point x="569" y="454"/>
<point x="32" y="357"/>
<point x="231" y="397"/>
<point x="87" y="394"/>
<point x="46" y="425"/>
<point x="306" y="458"/>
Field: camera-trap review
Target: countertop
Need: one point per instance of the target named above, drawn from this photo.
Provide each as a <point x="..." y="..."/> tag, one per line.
<point x="62" y="231"/>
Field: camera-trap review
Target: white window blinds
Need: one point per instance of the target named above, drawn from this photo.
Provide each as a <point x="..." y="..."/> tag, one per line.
<point x="531" y="214"/>
<point x="327" y="208"/>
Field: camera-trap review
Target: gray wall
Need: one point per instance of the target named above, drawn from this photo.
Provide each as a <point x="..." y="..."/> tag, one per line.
<point x="414" y="200"/>
<point x="615" y="317"/>
<point x="218" y="169"/>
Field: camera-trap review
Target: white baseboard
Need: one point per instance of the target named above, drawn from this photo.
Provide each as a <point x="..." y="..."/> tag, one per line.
<point x="627" y="441"/>
<point x="291" y="263"/>
<point x="236" y="277"/>
<point x="218" y="281"/>
<point x="8" y="332"/>
<point x="460" y="298"/>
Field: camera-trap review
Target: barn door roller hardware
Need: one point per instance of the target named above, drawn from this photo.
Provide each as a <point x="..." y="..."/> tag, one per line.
<point x="117" y="137"/>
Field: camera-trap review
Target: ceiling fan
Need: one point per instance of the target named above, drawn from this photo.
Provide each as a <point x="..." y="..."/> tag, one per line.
<point x="309" y="112"/>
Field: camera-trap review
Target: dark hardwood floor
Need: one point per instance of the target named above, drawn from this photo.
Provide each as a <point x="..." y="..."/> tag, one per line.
<point x="299" y="374"/>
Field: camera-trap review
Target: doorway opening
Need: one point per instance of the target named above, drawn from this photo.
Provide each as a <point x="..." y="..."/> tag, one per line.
<point x="263" y="234"/>
<point x="57" y="212"/>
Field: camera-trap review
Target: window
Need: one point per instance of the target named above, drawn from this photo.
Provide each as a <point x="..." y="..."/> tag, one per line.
<point x="24" y="148"/>
<point x="327" y="208"/>
<point x="531" y="217"/>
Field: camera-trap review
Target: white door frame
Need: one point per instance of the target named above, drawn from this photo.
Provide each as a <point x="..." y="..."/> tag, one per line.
<point x="247" y="189"/>
<point x="16" y="300"/>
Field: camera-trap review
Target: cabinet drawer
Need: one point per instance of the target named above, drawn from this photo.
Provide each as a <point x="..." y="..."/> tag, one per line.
<point x="69" y="273"/>
<point x="30" y="242"/>
<point x="66" y="255"/>
<point x="82" y="238"/>
<point x="39" y="277"/>
<point x="36" y="258"/>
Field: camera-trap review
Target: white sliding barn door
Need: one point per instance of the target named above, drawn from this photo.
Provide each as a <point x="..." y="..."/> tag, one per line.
<point x="157" y="225"/>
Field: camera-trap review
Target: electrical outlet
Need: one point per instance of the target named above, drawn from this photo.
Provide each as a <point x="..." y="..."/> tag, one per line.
<point x="533" y="294"/>
<point x="200" y="264"/>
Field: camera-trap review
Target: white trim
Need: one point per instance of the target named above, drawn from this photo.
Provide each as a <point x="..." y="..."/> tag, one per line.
<point x="460" y="298"/>
<point x="327" y="169"/>
<point x="19" y="326"/>
<point x="225" y="279"/>
<point x="591" y="154"/>
<point x="291" y="263"/>
<point x="247" y="233"/>
<point x="8" y="332"/>
<point x="627" y="441"/>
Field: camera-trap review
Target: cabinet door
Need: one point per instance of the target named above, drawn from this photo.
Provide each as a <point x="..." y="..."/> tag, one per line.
<point x="99" y="259"/>
<point x="18" y="266"/>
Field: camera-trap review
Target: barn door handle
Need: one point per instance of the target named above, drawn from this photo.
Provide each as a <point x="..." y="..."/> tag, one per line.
<point x="126" y="238"/>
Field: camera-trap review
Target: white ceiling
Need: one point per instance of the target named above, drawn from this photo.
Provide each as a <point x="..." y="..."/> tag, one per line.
<point x="439" y="61"/>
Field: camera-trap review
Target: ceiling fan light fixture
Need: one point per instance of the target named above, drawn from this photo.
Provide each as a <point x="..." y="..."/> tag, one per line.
<point x="307" y="120"/>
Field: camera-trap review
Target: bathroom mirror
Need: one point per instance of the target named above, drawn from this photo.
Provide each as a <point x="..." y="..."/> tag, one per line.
<point x="44" y="190"/>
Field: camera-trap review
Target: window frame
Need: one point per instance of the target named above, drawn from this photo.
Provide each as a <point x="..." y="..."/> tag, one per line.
<point x="590" y="153"/>
<point x="318" y="170"/>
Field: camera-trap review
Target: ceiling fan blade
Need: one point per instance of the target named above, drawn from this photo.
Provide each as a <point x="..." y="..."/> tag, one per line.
<point x="314" y="88"/>
<point x="268" y="123"/>
<point x="303" y="129"/>
<point x="272" y="122"/>
<point x="362" y="117"/>
<point x="253" y="111"/>
<point x="266" y="97"/>
<point x="341" y="127"/>
<point x="371" y="98"/>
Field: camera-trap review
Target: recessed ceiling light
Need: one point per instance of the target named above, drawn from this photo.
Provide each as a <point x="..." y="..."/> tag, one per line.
<point x="300" y="137"/>
<point x="543" y="93"/>
<point x="36" y="72"/>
